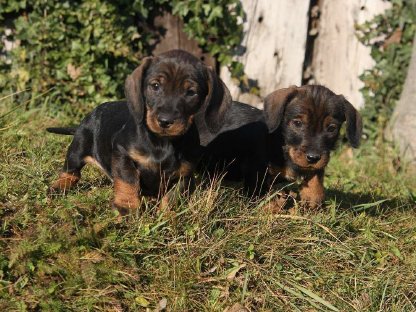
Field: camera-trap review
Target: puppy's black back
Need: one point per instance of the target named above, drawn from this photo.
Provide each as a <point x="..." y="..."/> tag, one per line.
<point x="240" y="149"/>
<point x="93" y="137"/>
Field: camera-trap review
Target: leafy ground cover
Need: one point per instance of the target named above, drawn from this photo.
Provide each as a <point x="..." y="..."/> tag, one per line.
<point x="209" y="252"/>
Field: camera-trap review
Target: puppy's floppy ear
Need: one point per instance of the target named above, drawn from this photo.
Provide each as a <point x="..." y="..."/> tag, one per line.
<point x="217" y="102"/>
<point x="354" y="123"/>
<point x="275" y="104"/>
<point x="133" y="89"/>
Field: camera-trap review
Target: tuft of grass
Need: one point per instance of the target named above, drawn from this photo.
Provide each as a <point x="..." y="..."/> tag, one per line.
<point x="209" y="251"/>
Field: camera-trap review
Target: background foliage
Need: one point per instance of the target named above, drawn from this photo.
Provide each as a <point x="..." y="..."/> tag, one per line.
<point x="79" y="52"/>
<point x="384" y="82"/>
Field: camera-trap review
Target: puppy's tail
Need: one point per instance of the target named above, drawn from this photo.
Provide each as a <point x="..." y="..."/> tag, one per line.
<point x="65" y="131"/>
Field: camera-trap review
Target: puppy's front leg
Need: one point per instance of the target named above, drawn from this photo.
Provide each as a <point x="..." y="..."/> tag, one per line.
<point x="312" y="190"/>
<point x="126" y="184"/>
<point x="186" y="178"/>
<point x="186" y="184"/>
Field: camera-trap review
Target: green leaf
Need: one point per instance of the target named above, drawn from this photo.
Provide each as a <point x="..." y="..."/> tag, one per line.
<point x="142" y="301"/>
<point x="363" y="207"/>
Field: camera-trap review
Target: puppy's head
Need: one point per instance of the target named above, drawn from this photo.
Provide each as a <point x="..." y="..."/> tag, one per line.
<point x="167" y="91"/>
<point x="309" y="119"/>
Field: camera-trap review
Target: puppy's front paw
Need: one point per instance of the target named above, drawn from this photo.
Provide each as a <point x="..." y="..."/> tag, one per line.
<point x="126" y="196"/>
<point x="62" y="185"/>
<point x="312" y="192"/>
<point x="126" y="204"/>
<point x="312" y="202"/>
<point x="165" y="203"/>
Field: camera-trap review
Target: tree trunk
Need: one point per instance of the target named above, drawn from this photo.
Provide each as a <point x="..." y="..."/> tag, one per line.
<point x="403" y="121"/>
<point x="274" y="47"/>
<point x="338" y="56"/>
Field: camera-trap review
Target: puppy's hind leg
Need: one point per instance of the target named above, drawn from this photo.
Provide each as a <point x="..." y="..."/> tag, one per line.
<point x="71" y="173"/>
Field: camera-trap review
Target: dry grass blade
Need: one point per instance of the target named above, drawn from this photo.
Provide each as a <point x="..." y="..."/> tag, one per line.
<point x="297" y="294"/>
<point x="314" y="296"/>
<point x="23" y="103"/>
<point x="326" y="229"/>
<point x="12" y="94"/>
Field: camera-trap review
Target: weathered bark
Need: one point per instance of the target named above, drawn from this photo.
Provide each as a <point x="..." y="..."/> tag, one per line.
<point x="274" y="41"/>
<point x="338" y="57"/>
<point x="403" y="121"/>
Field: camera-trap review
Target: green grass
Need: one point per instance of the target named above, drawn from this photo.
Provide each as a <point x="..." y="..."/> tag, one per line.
<point x="212" y="250"/>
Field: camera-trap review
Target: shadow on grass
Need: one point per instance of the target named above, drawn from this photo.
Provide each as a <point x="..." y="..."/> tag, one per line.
<point x="344" y="201"/>
<point x="370" y="203"/>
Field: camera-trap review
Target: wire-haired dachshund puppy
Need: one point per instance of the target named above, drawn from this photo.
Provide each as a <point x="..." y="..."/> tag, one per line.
<point x="152" y="140"/>
<point x="304" y="124"/>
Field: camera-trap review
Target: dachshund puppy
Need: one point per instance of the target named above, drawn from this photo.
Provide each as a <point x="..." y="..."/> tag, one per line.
<point x="152" y="140"/>
<point x="304" y="124"/>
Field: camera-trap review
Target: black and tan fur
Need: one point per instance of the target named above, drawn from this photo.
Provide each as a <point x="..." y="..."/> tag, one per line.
<point x="152" y="140"/>
<point x="290" y="140"/>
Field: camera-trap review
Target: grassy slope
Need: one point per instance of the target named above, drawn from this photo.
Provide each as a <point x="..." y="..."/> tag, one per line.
<point x="216" y="249"/>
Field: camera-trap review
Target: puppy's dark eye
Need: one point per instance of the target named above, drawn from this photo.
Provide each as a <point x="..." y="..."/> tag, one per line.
<point x="297" y="123"/>
<point x="190" y="92"/>
<point x="155" y="86"/>
<point x="331" y="128"/>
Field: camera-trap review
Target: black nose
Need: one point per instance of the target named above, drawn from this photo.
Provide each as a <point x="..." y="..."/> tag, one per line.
<point x="313" y="158"/>
<point x="164" y="122"/>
